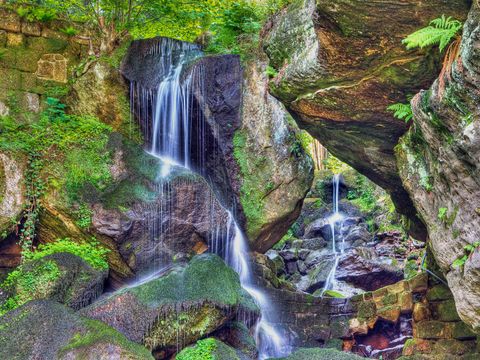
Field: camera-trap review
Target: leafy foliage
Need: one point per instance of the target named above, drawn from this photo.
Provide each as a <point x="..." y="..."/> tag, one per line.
<point x="92" y="252"/>
<point x="440" y="32"/>
<point x="401" y="111"/>
<point x="65" y="153"/>
<point x="469" y="250"/>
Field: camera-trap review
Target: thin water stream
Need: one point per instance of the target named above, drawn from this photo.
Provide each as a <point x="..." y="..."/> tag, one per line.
<point x="335" y="220"/>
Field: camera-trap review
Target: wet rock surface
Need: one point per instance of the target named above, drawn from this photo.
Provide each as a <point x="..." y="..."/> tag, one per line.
<point x="365" y="263"/>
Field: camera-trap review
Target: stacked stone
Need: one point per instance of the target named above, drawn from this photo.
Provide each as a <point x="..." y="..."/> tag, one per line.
<point x="438" y="332"/>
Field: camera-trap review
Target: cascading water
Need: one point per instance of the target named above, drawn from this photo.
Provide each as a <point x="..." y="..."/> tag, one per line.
<point x="168" y="131"/>
<point x="335" y="220"/>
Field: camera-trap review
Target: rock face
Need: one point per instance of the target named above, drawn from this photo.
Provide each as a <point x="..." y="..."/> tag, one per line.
<point x="186" y="303"/>
<point x="49" y="330"/>
<point x="340" y="64"/>
<point x="276" y="173"/>
<point x="240" y="142"/>
<point x="62" y="277"/>
<point x="439" y="165"/>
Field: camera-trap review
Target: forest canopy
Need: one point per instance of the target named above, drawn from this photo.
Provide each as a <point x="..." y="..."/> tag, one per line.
<point x="181" y="19"/>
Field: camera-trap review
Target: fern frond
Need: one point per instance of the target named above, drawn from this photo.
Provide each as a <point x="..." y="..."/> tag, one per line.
<point x="401" y="111"/>
<point x="440" y="32"/>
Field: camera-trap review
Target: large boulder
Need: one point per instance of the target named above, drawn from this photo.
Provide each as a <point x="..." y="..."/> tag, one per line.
<point x="176" y="309"/>
<point x="62" y="277"/>
<point x="48" y="330"/>
<point x="276" y="172"/>
<point x="439" y="164"/>
<point x="341" y="64"/>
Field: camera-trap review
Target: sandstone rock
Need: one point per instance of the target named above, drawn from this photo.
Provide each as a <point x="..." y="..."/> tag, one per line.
<point x="237" y="335"/>
<point x="389" y="313"/>
<point x="192" y="301"/>
<point x="12" y="192"/>
<point x="319" y="228"/>
<point x="307" y="44"/>
<point x="421" y="312"/>
<point x="53" y="331"/>
<point x="102" y="92"/>
<point x="367" y="274"/>
<point x="52" y="67"/>
<point x="438" y="162"/>
<point x="431" y="329"/>
<point x="282" y="179"/>
<point x="33" y="102"/>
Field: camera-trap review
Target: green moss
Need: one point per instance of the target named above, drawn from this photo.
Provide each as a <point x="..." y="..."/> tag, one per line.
<point x="92" y="252"/>
<point x="29" y="285"/>
<point x="251" y="194"/>
<point x="208" y="349"/>
<point x="98" y="332"/>
<point x="367" y="310"/>
<point x="219" y="284"/>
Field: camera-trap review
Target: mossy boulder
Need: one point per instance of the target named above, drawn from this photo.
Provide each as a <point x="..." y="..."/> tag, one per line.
<point x="320" y="354"/>
<point x="62" y="277"/>
<point x="208" y="349"/>
<point x="53" y="331"/>
<point x="186" y="303"/>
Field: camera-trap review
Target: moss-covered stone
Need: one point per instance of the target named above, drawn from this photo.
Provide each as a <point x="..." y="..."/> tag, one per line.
<point x="367" y="310"/>
<point x="208" y="349"/>
<point x="320" y="354"/>
<point x="430" y="329"/>
<point x="445" y="311"/>
<point x="63" y="277"/>
<point x="439" y="292"/>
<point x="56" y="332"/>
<point x="186" y="303"/>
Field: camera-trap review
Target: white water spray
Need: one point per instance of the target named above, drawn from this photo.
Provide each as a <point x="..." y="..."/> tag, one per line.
<point x="270" y="342"/>
<point x="335" y="219"/>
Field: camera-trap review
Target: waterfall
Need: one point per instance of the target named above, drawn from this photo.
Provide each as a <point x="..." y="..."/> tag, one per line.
<point x="166" y="118"/>
<point x="270" y="342"/>
<point x="335" y="219"/>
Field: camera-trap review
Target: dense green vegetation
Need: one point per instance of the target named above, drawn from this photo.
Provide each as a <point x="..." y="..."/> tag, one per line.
<point x="231" y="26"/>
<point x="65" y="153"/>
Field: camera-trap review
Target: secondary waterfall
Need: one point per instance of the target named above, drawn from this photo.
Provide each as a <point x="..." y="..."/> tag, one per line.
<point x="168" y="122"/>
<point x="335" y="219"/>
